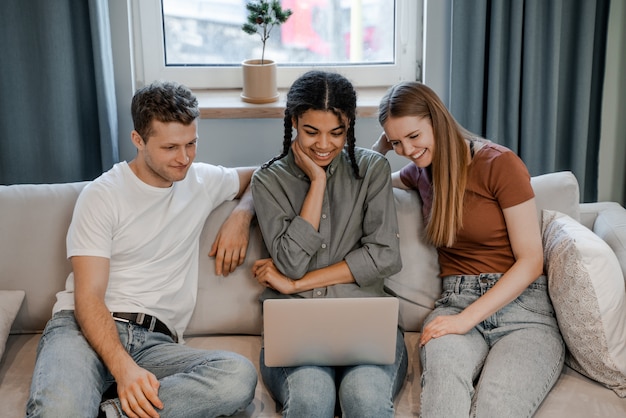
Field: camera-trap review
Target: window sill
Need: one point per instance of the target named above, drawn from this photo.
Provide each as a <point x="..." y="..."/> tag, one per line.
<point x="227" y="104"/>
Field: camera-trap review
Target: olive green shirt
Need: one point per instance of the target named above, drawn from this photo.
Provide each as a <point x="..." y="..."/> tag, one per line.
<point x="358" y="223"/>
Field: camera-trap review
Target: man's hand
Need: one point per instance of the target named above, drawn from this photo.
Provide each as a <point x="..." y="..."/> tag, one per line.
<point x="231" y="242"/>
<point x="137" y="388"/>
<point x="268" y="275"/>
<point x="138" y="391"/>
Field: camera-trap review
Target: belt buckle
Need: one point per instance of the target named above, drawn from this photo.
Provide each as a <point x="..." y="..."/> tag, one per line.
<point x="117" y="318"/>
<point x="153" y="321"/>
<point x="141" y="320"/>
<point x="141" y="317"/>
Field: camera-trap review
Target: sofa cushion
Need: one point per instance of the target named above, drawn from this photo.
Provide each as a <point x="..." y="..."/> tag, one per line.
<point x="10" y="303"/>
<point x="227" y="305"/>
<point x="417" y="285"/>
<point x="34" y="223"/>
<point x="587" y="290"/>
<point x="557" y="191"/>
<point x="610" y="225"/>
<point x="230" y="305"/>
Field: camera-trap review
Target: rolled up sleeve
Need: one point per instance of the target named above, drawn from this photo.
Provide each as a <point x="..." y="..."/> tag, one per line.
<point x="379" y="254"/>
<point x="290" y="240"/>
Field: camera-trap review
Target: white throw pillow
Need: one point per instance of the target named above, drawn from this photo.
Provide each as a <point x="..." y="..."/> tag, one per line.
<point x="587" y="290"/>
<point x="10" y="303"/>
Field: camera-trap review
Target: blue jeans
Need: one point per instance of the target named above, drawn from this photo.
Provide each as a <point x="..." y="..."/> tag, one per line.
<point x="69" y="377"/>
<point x="503" y="367"/>
<point x="363" y="391"/>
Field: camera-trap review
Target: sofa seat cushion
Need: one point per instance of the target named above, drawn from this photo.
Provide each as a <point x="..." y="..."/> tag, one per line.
<point x="10" y="303"/>
<point x="587" y="290"/>
<point x="406" y="404"/>
<point x="573" y="395"/>
<point x="16" y="370"/>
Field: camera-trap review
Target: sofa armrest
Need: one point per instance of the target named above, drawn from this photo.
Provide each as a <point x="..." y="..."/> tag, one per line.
<point x="608" y="221"/>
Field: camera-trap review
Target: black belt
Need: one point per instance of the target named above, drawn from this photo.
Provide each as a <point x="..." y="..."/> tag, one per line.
<point x="151" y="323"/>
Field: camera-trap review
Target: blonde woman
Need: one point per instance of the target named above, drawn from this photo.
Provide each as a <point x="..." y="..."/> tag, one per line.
<point x="491" y="347"/>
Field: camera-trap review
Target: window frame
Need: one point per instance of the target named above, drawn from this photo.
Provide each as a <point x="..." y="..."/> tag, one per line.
<point x="149" y="62"/>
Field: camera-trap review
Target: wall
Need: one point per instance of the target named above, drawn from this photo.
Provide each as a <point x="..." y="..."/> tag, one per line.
<point x="241" y="142"/>
<point x="612" y="174"/>
<point x="229" y="142"/>
<point x="244" y="142"/>
<point x="437" y="31"/>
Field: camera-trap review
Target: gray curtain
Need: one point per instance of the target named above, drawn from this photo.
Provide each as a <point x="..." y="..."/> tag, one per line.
<point x="528" y="74"/>
<point x="58" y="118"/>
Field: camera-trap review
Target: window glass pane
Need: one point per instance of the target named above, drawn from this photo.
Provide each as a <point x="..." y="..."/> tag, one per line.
<point x="337" y="32"/>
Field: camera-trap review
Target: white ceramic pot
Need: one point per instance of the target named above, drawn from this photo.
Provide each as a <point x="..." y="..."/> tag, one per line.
<point x="259" y="81"/>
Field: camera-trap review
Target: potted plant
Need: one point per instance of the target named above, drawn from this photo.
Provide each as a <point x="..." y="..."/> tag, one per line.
<point x="259" y="75"/>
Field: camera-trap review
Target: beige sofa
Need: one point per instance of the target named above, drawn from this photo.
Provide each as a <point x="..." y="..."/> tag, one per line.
<point x="33" y="224"/>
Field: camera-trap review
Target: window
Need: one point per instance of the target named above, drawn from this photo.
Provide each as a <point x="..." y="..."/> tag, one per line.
<point x="200" y="42"/>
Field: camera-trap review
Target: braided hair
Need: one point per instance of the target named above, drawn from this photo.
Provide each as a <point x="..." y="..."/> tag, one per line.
<point x="320" y="90"/>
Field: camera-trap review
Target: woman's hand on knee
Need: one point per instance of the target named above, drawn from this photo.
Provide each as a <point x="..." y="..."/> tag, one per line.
<point x="444" y="325"/>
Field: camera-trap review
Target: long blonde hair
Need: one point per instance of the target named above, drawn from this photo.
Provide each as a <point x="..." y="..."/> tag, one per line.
<point x="450" y="159"/>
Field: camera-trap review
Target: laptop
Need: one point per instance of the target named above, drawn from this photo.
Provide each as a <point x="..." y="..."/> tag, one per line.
<point x="330" y="331"/>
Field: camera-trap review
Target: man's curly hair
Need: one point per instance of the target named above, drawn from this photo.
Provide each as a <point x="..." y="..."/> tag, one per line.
<point x="164" y="101"/>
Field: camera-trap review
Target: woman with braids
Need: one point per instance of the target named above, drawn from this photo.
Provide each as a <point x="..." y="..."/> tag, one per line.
<point x="327" y="215"/>
<point x="491" y="347"/>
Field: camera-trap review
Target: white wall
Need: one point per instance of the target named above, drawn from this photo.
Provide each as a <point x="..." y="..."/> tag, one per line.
<point x="242" y="142"/>
<point x="229" y="142"/>
<point x="437" y="30"/>
<point x="612" y="171"/>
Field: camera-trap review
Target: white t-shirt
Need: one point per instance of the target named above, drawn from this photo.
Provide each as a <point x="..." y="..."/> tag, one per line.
<point x="151" y="237"/>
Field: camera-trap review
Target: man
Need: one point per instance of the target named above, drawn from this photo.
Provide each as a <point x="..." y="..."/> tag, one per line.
<point x="133" y="244"/>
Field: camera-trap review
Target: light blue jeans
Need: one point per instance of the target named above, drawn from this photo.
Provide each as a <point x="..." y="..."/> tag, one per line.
<point x="503" y="367"/>
<point x="69" y="378"/>
<point x="363" y="391"/>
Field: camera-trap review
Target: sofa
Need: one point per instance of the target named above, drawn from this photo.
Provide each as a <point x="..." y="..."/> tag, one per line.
<point x="33" y="267"/>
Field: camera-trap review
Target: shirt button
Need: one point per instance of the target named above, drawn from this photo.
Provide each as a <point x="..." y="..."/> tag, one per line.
<point x="323" y="245"/>
<point x="323" y="216"/>
<point x="319" y="293"/>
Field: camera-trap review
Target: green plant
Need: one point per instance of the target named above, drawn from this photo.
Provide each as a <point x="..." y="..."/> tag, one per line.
<point x="263" y="15"/>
